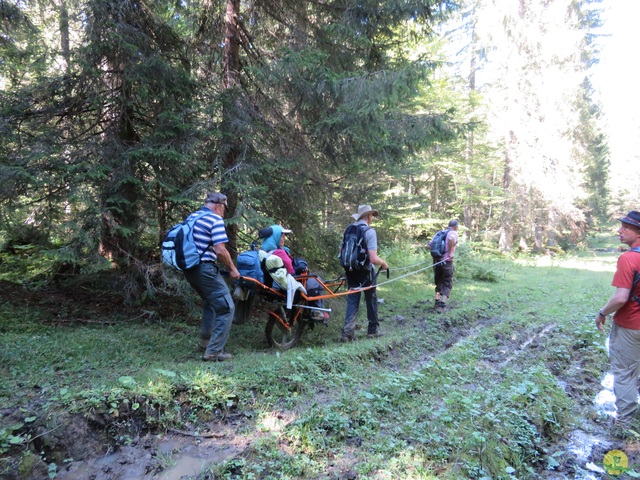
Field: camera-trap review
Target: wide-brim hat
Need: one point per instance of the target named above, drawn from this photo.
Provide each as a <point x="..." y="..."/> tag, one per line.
<point x="364" y="210"/>
<point x="632" y="218"/>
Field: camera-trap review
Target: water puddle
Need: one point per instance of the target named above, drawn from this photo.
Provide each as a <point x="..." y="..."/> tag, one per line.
<point x="184" y="459"/>
<point x="186" y="466"/>
<point x="605" y="401"/>
<point x="585" y="446"/>
<point x="582" y="445"/>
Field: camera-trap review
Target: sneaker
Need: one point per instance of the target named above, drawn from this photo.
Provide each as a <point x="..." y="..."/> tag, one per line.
<point x="375" y="334"/>
<point x="316" y="316"/>
<point x="217" y="357"/>
<point x="441" y="307"/>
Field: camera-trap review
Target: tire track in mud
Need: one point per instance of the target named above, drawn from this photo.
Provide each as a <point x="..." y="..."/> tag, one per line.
<point x="581" y="452"/>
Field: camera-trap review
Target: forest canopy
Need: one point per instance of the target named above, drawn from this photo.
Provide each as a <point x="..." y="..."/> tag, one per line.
<point x="117" y="116"/>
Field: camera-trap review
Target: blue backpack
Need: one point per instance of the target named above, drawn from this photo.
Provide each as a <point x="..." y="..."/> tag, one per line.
<point x="179" y="248"/>
<point x="248" y="264"/>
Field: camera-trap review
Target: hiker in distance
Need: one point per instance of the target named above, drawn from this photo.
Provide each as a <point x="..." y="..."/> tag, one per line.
<point x="624" y="339"/>
<point x="359" y="257"/>
<point x="217" y="313"/>
<point x="443" y="247"/>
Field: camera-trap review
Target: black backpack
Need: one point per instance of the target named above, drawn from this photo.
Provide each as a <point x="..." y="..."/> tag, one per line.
<point x="438" y="244"/>
<point x="354" y="254"/>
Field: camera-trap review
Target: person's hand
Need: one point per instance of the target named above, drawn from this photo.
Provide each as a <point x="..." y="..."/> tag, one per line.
<point x="600" y="319"/>
<point x="384" y="265"/>
<point x="235" y="274"/>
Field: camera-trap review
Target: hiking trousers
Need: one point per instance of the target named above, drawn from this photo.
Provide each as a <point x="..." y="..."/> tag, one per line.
<point x="443" y="278"/>
<point x="361" y="280"/>
<point x="624" y="353"/>
<point x="218" y="309"/>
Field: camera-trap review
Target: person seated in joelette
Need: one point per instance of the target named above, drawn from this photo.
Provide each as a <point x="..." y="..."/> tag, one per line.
<point x="274" y="244"/>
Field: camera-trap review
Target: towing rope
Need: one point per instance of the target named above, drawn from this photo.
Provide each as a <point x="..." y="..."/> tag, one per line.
<point x="364" y="289"/>
<point x="400" y="277"/>
<point x="360" y="289"/>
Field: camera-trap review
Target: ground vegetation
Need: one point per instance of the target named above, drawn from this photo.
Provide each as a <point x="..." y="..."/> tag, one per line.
<point x="501" y="385"/>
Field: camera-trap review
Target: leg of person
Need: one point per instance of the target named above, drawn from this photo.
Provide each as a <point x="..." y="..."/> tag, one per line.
<point x="371" y="301"/>
<point x="354" y="280"/>
<point x="196" y="277"/>
<point x="353" y="304"/>
<point x="624" y="351"/>
<point x="446" y="283"/>
<point x="218" y="310"/>
<point x="437" y="279"/>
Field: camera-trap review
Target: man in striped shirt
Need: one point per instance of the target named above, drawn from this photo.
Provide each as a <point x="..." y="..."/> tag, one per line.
<point x="217" y="314"/>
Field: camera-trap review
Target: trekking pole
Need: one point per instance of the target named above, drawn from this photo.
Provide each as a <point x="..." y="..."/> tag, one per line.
<point x="375" y="277"/>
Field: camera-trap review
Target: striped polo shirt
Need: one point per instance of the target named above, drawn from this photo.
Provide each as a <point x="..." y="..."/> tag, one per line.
<point x="208" y="231"/>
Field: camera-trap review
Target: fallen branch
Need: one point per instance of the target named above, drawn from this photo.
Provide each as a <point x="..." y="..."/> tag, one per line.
<point x="196" y="435"/>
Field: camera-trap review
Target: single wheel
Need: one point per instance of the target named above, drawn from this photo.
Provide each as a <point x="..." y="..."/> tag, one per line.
<point x="243" y="308"/>
<point x="281" y="338"/>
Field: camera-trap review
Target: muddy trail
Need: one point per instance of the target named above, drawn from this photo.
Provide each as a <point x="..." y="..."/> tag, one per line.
<point x="90" y="446"/>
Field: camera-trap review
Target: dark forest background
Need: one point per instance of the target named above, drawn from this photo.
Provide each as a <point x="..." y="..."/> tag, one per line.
<point x="117" y="116"/>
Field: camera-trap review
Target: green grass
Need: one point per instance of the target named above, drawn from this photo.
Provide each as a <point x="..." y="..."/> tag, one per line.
<point x="473" y="393"/>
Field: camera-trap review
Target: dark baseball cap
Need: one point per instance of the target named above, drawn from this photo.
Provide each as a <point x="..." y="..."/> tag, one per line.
<point x="632" y="218"/>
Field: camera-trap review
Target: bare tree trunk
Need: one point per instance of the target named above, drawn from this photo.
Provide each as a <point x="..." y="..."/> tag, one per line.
<point x="506" y="230"/>
<point x="537" y="241"/>
<point x="231" y="81"/>
<point x="64" y="33"/>
<point x="468" y="211"/>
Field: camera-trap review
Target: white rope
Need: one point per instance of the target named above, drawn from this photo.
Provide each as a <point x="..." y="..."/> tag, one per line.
<point x="410" y="266"/>
<point x="362" y="289"/>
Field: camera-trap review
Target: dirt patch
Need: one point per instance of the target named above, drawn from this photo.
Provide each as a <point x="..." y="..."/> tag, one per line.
<point x="83" y="304"/>
<point x="82" y="449"/>
<point x="168" y="456"/>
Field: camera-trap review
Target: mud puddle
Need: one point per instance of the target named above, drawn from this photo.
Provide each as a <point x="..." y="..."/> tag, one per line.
<point x="170" y="457"/>
<point x="589" y="447"/>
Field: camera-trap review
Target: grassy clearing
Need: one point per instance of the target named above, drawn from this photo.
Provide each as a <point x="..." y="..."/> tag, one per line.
<point x="483" y="391"/>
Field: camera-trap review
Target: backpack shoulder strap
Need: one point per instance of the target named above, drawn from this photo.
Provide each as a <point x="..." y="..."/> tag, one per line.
<point x="363" y="231"/>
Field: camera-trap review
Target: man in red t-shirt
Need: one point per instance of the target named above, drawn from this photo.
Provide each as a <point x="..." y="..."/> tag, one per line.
<point x="624" y="339"/>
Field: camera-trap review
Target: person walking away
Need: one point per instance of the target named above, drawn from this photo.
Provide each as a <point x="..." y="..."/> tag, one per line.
<point x="364" y="277"/>
<point x="443" y="270"/>
<point x="624" y="338"/>
<point x="217" y="314"/>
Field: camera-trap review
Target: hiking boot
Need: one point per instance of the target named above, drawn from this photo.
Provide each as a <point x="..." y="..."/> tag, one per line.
<point x="204" y="343"/>
<point x="375" y="334"/>
<point x="217" y="357"/>
<point x="441" y="307"/>
<point x="345" y="339"/>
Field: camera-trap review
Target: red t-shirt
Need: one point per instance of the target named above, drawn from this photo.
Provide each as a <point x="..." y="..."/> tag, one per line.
<point x="628" y="316"/>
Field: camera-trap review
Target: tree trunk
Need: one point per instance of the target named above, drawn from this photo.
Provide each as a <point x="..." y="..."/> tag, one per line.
<point x="64" y="34"/>
<point x="506" y="229"/>
<point x="231" y="81"/>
